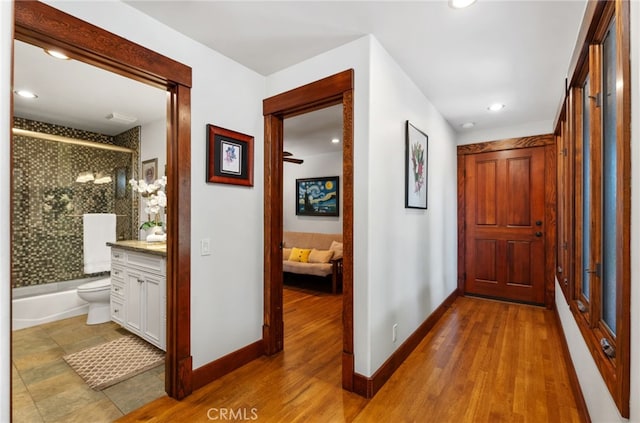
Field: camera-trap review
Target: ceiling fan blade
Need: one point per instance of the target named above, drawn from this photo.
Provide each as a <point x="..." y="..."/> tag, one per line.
<point x="292" y="160"/>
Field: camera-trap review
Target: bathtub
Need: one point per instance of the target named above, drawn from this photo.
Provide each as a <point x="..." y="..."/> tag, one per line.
<point x="47" y="307"/>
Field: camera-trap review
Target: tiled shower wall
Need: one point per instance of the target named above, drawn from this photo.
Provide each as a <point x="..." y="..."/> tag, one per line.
<point x="48" y="203"/>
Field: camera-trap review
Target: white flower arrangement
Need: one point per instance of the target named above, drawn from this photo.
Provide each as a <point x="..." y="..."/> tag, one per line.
<point x="155" y="199"/>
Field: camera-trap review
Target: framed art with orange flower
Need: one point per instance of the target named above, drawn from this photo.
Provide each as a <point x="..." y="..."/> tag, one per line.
<point x="416" y="166"/>
<point x="229" y="156"/>
<point x="318" y="196"/>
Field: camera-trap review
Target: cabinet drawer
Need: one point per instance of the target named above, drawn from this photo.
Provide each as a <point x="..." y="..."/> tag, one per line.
<point x="117" y="273"/>
<point x="148" y="262"/>
<point x="117" y="287"/>
<point x="117" y="310"/>
<point x="117" y="255"/>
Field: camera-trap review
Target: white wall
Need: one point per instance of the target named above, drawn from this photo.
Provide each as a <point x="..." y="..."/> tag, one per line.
<point x="599" y="402"/>
<point x="153" y="145"/>
<point x="6" y="47"/>
<point x="226" y="286"/>
<point x="313" y="167"/>
<point x="412" y="253"/>
<point x="404" y="260"/>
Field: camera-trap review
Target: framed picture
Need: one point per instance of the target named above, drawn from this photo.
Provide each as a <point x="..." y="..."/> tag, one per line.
<point x="318" y="196"/>
<point x="416" y="164"/>
<point x="150" y="170"/>
<point x="229" y="157"/>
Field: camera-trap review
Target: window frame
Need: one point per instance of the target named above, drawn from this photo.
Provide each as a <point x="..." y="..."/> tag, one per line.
<point x="570" y="268"/>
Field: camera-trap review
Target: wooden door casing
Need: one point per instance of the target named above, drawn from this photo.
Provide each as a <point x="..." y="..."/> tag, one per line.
<point x="504" y="220"/>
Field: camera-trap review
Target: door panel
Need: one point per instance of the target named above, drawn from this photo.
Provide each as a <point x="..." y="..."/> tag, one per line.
<point x="519" y="191"/>
<point x="486" y="184"/>
<point x="485" y="251"/>
<point x="504" y="218"/>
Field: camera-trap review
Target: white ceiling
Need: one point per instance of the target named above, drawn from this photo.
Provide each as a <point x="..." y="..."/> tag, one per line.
<point x="514" y="52"/>
<point x="78" y="95"/>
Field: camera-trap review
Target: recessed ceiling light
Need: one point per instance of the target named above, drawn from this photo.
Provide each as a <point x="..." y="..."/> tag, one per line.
<point x="496" y="106"/>
<point x="56" y="54"/>
<point x="335" y="140"/>
<point x="460" y="4"/>
<point x="468" y="125"/>
<point x="25" y="94"/>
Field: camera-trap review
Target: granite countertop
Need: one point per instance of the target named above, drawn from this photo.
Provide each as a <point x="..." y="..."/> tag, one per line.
<point x="156" y="248"/>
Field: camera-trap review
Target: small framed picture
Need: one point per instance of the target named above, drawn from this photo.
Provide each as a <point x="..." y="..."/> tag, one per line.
<point x="229" y="157"/>
<point x="416" y="164"/>
<point x="150" y="170"/>
<point x="318" y="196"/>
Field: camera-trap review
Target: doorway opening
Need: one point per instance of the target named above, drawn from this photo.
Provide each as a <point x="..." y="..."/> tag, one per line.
<point x="44" y="26"/>
<point x="330" y="91"/>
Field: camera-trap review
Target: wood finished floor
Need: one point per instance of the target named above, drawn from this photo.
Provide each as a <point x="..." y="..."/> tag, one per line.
<point x="484" y="361"/>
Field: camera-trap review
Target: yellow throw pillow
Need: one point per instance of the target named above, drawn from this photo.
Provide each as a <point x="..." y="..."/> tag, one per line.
<point x="320" y="256"/>
<point x="300" y="254"/>
<point x="286" y="253"/>
<point x="337" y="249"/>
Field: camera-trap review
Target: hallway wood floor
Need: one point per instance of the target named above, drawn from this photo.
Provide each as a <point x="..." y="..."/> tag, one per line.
<point x="484" y="361"/>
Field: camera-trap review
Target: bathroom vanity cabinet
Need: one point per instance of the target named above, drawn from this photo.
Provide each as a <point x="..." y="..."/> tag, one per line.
<point x="138" y="289"/>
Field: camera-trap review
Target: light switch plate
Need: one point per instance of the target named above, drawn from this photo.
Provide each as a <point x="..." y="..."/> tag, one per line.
<point x="205" y="247"/>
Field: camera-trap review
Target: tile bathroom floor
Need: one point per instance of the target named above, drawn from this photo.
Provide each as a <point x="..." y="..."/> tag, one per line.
<point x="46" y="389"/>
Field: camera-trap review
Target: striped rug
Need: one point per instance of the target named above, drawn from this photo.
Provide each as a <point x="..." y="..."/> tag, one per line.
<point x="112" y="362"/>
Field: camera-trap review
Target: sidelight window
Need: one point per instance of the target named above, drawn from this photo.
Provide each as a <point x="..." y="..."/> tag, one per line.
<point x="596" y="200"/>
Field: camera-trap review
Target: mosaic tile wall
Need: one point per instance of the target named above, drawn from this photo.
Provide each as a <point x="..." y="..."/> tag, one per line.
<point x="48" y="203"/>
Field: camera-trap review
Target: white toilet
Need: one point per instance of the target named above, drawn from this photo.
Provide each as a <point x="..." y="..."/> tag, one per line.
<point x="98" y="229"/>
<point x="97" y="294"/>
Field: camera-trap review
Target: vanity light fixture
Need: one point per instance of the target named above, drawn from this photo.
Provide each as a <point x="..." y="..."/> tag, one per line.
<point x="460" y="4"/>
<point x="335" y="140"/>
<point x="57" y="54"/>
<point x="102" y="178"/>
<point x="97" y="178"/>
<point x="85" y="177"/>
<point x="26" y="94"/>
<point x="495" y="107"/>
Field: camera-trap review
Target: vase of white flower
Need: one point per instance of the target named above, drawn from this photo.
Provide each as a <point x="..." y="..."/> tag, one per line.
<point x="155" y="201"/>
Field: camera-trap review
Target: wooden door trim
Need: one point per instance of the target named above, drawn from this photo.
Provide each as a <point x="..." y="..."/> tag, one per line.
<point x="335" y="89"/>
<point x="548" y="142"/>
<point x="507" y="144"/>
<point x="45" y="26"/>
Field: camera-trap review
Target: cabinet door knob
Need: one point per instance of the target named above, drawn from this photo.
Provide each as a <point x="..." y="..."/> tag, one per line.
<point x="140" y="280"/>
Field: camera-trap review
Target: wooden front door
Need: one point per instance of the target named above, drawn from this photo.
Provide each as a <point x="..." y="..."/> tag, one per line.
<point x="504" y="218"/>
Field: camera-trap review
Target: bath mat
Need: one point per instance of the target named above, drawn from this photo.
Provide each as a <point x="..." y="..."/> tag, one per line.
<point x="107" y="364"/>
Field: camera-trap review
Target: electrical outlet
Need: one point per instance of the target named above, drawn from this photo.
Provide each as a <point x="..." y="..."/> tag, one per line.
<point x="205" y="247"/>
<point x="394" y="334"/>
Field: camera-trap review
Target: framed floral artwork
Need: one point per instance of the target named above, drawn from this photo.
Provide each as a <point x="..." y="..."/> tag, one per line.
<point x="416" y="164"/>
<point x="229" y="157"/>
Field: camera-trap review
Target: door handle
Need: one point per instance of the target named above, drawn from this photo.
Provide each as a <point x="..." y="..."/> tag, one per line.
<point x="539" y="234"/>
<point x="538" y="222"/>
<point x="597" y="271"/>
